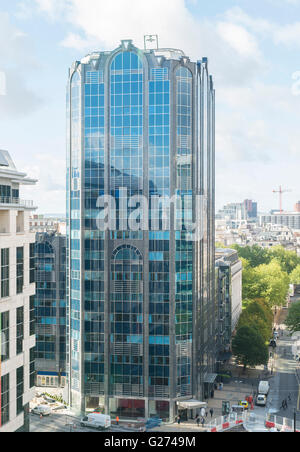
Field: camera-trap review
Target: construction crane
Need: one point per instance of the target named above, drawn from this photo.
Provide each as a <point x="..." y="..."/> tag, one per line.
<point x="281" y="191"/>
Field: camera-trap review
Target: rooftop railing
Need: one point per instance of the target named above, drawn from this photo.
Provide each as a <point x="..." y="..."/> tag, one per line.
<point x="16" y="202"/>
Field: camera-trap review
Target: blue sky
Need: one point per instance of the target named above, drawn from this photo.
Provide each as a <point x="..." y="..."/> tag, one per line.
<point x="253" y="49"/>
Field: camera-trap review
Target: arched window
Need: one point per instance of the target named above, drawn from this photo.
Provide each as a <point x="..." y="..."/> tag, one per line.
<point x="126" y="123"/>
<point x="126" y="61"/>
<point x="126" y="321"/>
<point x="127" y="253"/>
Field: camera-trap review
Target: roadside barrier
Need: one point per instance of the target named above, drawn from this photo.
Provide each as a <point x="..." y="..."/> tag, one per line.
<point x="223" y="423"/>
<point x="280" y="423"/>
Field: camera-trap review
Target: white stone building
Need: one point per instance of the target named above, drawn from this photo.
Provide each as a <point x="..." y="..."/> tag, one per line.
<point x="17" y="289"/>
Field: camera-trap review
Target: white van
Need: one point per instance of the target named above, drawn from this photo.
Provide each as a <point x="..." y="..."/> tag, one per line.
<point x="42" y="410"/>
<point x="96" y="420"/>
<point x="263" y="387"/>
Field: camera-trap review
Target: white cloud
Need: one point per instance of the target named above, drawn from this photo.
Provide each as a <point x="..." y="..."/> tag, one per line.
<point x="288" y="34"/>
<point x="15" y="59"/>
<point x="239" y="39"/>
<point x="233" y="50"/>
<point x="50" y="189"/>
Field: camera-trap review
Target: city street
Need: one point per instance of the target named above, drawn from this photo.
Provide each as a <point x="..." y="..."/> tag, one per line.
<point x="57" y="423"/>
<point x="284" y="383"/>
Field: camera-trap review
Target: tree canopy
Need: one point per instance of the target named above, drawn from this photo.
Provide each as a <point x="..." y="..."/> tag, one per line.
<point x="293" y="318"/>
<point x="258" y="316"/>
<point x="249" y="347"/>
<point x="267" y="281"/>
<point x="295" y="275"/>
<point x="273" y="283"/>
<point x="288" y="260"/>
<point x="255" y="255"/>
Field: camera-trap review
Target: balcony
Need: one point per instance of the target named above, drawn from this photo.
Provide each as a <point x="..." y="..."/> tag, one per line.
<point x="9" y="201"/>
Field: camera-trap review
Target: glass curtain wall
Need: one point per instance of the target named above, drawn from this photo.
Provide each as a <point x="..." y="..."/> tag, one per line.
<point x="159" y="240"/>
<point x="184" y="247"/>
<point x="94" y="162"/>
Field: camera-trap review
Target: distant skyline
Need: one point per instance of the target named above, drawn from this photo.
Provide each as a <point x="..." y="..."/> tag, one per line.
<point x="251" y="47"/>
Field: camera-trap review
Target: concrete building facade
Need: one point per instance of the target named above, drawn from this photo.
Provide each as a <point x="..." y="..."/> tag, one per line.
<point x="17" y="335"/>
<point x="229" y="295"/>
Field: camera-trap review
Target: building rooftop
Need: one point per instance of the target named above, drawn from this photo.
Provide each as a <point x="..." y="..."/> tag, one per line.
<point x="9" y="171"/>
<point x="226" y="254"/>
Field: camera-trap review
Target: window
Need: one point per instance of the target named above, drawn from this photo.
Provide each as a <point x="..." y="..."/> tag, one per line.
<point x="20" y="389"/>
<point x="5" y="193"/>
<point x="20" y="330"/>
<point x="32" y="263"/>
<point x="4" y="339"/>
<point x="4" y="400"/>
<point x="20" y="269"/>
<point x="5" y="273"/>
<point x="32" y="368"/>
<point x="32" y="316"/>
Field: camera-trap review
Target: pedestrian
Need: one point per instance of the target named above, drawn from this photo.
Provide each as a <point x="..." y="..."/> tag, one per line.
<point x="289" y="397"/>
<point x="117" y="420"/>
<point x="282" y="405"/>
<point x="211" y="412"/>
<point x="206" y="414"/>
<point x="178" y="419"/>
<point x="203" y="422"/>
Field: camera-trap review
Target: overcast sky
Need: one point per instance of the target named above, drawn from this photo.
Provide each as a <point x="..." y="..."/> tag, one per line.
<point x="253" y="47"/>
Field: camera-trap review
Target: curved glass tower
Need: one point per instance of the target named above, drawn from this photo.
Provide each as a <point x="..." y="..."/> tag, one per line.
<point x="141" y="311"/>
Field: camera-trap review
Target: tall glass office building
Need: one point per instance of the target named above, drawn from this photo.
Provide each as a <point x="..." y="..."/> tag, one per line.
<point x="141" y="310"/>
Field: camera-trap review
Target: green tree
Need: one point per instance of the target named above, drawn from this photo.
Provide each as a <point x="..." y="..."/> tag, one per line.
<point x="288" y="260"/>
<point x="272" y="283"/>
<point x="293" y="318"/>
<point x="249" y="347"/>
<point x="255" y="255"/>
<point x="258" y="315"/>
<point x="249" y="284"/>
<point x="295" y="275"/>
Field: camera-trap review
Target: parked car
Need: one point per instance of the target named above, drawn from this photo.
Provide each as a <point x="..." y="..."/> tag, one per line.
<point x="42" y="410"/>
<point x="261" y="400"/>
<point x="97" y="421"/>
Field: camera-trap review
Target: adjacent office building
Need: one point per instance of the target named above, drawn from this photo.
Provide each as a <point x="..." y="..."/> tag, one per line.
<point x="17" y="289"/>
<point x="50" y="307"/>
<point x="141" y="318"/>
<point x="229" y="296"/>
<point x="289" y="219"/>
<point x="239" y="211"/>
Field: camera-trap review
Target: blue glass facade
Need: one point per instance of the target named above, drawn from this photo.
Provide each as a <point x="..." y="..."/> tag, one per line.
<point x="136" y="295"/>
<point x="50" y="305"/>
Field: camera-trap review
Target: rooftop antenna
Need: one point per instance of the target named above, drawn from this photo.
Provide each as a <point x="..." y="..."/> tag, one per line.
<point x="151" y="42"/>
